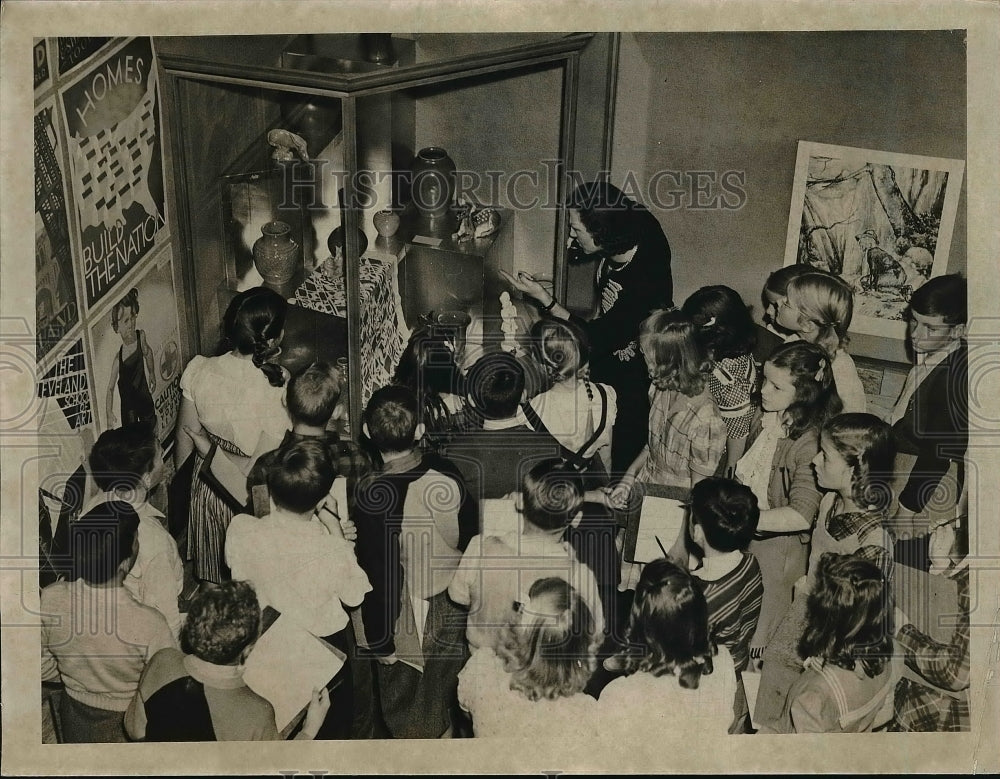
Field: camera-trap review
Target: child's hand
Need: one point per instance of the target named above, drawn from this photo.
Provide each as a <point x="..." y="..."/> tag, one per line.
<point x="316" y="714"/>
<point x="329" y="515"/>
<point x="619" y="495"/>
<point x="349" y="529"/>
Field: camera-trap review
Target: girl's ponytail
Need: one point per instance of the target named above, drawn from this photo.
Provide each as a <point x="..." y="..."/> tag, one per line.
<point x="261" y="352"/>
<point x="252" y="321"/>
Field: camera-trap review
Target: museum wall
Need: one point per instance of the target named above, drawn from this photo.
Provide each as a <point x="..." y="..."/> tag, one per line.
<point x="718" y="102"/>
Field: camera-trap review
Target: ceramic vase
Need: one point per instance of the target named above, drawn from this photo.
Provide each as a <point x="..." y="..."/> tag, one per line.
<point x="275" y="255"/>
<point x="386" y="223"/>
<point x="433" y="183"/>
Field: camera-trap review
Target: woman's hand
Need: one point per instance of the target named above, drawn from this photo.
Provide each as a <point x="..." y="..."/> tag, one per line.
<point x="526" y="284"/>
<point x="316" y="714"/>
<point x="201" y="441"/>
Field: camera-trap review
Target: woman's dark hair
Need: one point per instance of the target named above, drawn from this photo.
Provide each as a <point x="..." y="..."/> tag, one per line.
<point x="610" y="216"/>
<point x="101" y="540"/>
<point x="867" y="445"/>
<point x="553" y="654"/>
<point x="221" y="623"/>
<point x="131" y="300"/>
<point x="668" y="627"/>
<point x="725" y="327"/>
<point x="816" y="399"/>
<point x="253" y="318"/>
<point x="944" y="296"/>
<point x="849" y="615"/>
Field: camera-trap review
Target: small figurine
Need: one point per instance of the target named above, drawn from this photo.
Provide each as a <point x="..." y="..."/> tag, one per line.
<point x="475" y="221"/>
<point x="286" y="144"/>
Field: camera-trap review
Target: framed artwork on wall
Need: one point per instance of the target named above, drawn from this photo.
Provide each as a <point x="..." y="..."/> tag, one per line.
<point x="881" y="221"/>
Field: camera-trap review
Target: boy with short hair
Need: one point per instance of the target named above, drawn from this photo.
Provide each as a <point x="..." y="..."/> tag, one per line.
<point x="127" y="465"/>
<point x="498" y="570"/>
<point x="414" y="519"/>
<point x="722" y="520"/>
<point x="95" y="637"/>
<point x="930" y="420"/>
<point x="495" y="458"/>
<point x="302" y="566"/>
<point x="311" y="398"/>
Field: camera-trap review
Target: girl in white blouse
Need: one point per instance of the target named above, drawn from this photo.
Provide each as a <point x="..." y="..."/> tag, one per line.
<point x="532" y="685"/>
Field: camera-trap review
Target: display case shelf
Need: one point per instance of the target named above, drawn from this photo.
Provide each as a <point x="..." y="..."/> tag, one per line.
<point x="501" y="104"/>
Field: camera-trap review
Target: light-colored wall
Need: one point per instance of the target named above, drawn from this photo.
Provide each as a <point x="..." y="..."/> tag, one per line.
<point x="741" y="101"/>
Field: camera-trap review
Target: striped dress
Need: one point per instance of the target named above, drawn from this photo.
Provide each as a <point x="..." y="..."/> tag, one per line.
<point x="238" y="408"/>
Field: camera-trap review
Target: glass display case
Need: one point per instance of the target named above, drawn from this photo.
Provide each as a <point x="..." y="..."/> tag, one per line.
<point x="277" y="141"/>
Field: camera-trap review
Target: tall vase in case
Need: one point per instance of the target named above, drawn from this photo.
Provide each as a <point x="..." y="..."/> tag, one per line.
<point x="276" y="256"/>
<point x="433" y="185"/>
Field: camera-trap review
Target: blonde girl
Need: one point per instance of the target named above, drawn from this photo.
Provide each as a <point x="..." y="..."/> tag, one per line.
<point x="687" y="435"/>
<point x="818" y="308"/>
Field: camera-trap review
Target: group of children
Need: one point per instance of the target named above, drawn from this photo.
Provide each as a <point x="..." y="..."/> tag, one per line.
<point x="783" y="567"/>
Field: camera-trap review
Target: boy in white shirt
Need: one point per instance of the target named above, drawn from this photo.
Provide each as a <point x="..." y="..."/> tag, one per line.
<point x="127" y="465"/>
<point x="497" y="571"/>
<point x="302" y="566"/>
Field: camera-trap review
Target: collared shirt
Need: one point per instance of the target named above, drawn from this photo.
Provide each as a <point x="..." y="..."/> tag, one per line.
<point x="933" y="696"/>
<point x="157" y="576"/>
<point x="223" y="677"/>
<point x="925" y="364"/>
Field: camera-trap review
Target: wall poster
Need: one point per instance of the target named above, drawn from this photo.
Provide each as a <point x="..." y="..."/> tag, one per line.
<point x="113" y="133"/>
<point x="881" y="221"/>
<point x="55" y="297"/>
<point x="136" y="353"/>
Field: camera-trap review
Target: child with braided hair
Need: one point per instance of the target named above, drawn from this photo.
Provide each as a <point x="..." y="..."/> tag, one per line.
<point x="236" y="398"/>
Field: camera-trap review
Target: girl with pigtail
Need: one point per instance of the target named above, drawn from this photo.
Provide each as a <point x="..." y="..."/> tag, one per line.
<point x="234" y="401"/>
<point x="797" y="397"/>
<point x="818" y="308"/>
<point x="855" y="467"/>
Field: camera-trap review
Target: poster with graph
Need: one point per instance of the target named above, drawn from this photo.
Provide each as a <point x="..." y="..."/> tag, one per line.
<point x="113" y="133"/>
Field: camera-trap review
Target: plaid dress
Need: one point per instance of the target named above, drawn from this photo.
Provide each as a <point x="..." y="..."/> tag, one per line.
<point x="687" y="438"/>
<point x="941" y="701"/>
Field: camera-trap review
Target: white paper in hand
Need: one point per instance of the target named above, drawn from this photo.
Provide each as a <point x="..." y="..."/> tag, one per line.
<point x="661" y="518"/>
<point x="285" y="665"/>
